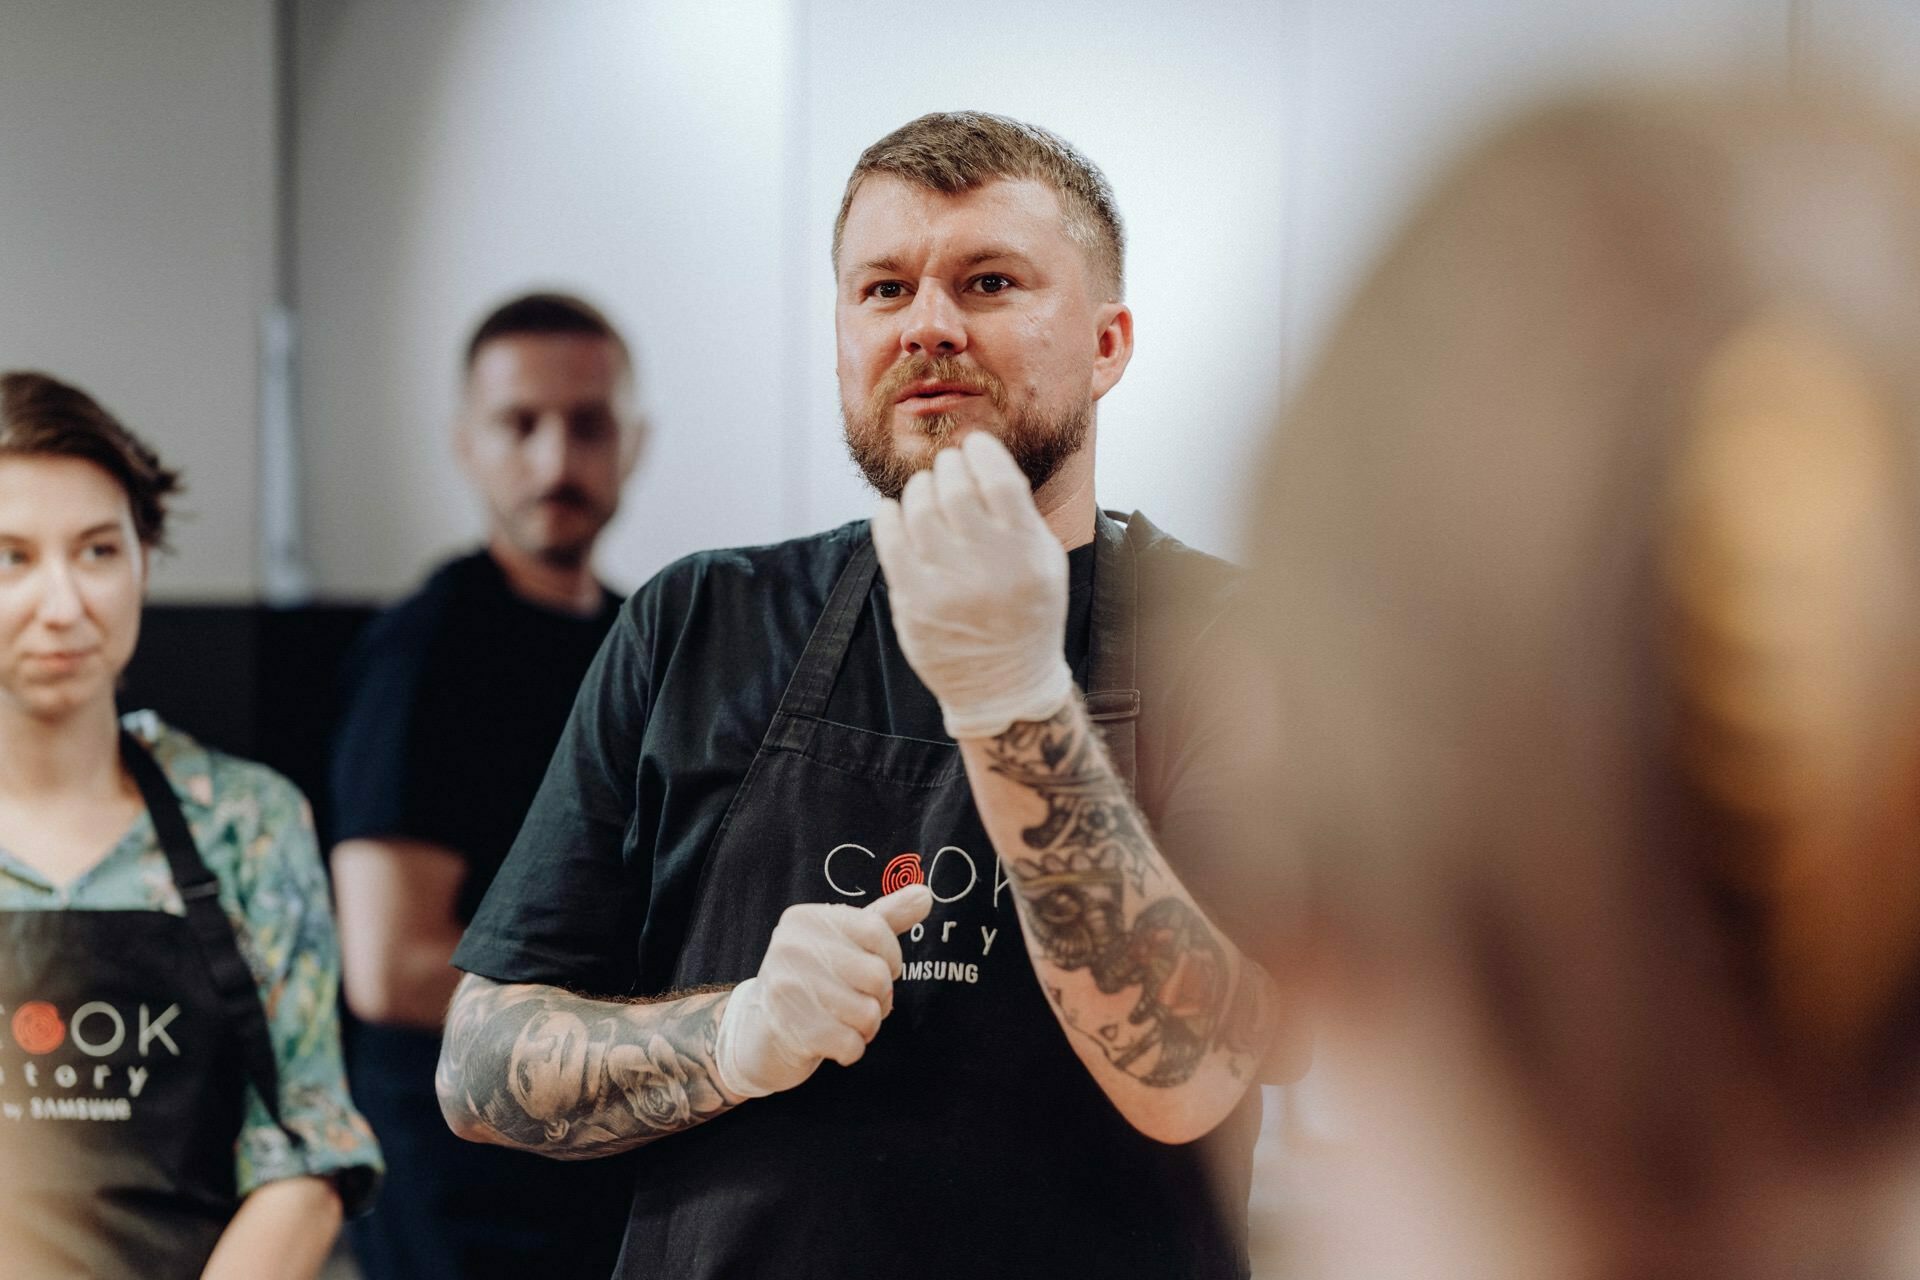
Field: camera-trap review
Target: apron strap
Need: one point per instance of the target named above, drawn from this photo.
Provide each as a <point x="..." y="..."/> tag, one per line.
<point x="1113" y="693"/>
<point x="812" y="681"/>
<point x="239" y="996"/>
<point x="1113" y="688"/>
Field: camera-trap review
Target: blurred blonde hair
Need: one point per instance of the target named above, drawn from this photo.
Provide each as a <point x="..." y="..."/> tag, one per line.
<point x="1591" y="568"/>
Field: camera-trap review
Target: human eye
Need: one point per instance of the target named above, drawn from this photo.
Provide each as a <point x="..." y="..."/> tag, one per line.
<point x="991" y="283"/>
<point x="13" y="557"/>
<point x="104" y="549"/>
<point x="887" y="290"/>
<point x="592" y="426"/>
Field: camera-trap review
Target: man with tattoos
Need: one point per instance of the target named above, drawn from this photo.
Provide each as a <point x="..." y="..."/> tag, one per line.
<point x="768" y="905"/>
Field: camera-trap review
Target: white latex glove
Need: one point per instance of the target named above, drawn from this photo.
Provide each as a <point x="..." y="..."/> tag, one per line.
<point x="978" y="585"/>
<point x="824" y="986"/>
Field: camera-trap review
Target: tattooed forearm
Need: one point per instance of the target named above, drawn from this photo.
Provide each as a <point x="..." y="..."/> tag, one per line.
<point x="1095" y="897"/>
<point x="1088" y="811"/>
<point x="545" y="1070"/>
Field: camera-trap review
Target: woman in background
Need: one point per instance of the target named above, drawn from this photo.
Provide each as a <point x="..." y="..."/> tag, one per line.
<point x="1592" y="568"/>
<point x="172" y="1102"/>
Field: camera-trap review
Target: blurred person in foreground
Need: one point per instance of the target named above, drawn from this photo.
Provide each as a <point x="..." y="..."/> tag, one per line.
<point x="1591" y="557"/>
<point x="455" y="698"/>
<point x="768" y="911"/>
<point x="172" y="1102"/>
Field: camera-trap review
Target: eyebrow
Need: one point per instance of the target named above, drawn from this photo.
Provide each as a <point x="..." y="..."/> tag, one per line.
<point x="891" y="265"/>
<point x="887" y="265"/>
<point x="991" y="253"/>
<point x="91" y="531"/>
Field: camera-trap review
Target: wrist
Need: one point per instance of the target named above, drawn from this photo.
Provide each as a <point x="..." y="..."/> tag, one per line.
<point x="1037" y="698"/>
<point x="727" y="1071"/>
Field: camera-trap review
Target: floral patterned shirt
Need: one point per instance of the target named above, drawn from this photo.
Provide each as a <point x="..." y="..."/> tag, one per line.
<point x="255" y="833"/>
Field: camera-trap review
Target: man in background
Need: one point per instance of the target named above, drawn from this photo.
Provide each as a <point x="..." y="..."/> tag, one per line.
<point x="454" y="700"/>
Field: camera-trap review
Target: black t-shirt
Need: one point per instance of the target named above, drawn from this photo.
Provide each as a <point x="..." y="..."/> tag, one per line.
<point x="455" y="698"/>
<point x="600" y="885"/>
<point x="889" y="698"/>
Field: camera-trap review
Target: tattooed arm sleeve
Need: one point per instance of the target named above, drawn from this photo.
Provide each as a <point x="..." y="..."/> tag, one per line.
<point x="542" y="1069"/>
<point x="1171" y="1020"/>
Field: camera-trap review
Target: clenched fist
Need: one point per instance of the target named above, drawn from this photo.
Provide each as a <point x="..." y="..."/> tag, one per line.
<point x="824" y="986"/>
<point x="978" y="585"/>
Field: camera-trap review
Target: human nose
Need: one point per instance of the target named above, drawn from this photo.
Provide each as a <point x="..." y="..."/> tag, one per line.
<point x="547" y="449"/>
<point x="60" y="604"/>
<point x="934" y="325"/>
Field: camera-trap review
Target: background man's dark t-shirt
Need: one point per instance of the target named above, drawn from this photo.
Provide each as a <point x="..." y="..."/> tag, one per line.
<point x="454" y="699"/>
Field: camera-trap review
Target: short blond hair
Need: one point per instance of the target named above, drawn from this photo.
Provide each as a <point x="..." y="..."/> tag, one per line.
<point x="955" y="151"/>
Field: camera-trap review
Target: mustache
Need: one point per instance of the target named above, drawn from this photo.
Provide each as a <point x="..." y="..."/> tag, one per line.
<point x="937" y="369"/>
<point x="566" y="495"/>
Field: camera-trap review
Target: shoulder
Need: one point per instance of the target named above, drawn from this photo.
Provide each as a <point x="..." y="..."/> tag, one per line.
<point x="773" y="563"/>
<point x="1193" y="646"/>
<point x="394" y="655"/>
<point x="796" y="570"/>
<point x="244" y="815"/>
<point x="1183" y="591"/>
<point x="206" y="777"/>
<point x="413" y="622"/>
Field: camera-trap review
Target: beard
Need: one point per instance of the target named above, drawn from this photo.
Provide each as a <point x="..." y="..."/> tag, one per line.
<point x="1039" y="442"/>
<point x="558" y="527"/>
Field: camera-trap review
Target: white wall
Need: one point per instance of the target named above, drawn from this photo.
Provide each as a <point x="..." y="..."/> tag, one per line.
<point x="449" y="155"/>
<point x="1393" y="91"/>
<point x="681" y="161"/>
<point x="137" y="239"/>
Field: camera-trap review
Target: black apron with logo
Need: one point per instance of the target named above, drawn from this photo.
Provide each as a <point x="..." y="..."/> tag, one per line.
<point x="969" y="1140"/>
<point x="126" y="1041"/>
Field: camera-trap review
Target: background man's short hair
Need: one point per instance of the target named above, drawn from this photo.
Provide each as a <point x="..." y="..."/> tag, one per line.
<point x="955" y="151"/>
<point x="544" y="314"/>
<point x="41" y="417"/>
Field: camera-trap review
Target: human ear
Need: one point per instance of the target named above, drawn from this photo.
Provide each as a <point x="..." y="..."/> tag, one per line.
<point x="1113" y="347"/>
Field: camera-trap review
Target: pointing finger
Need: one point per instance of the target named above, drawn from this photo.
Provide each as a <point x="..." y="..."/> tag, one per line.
<point x="903" y="908"/>
<point x="890" y="541"/>
<point x="920" y="510"/>
<point x="1003" y="487"/>
<point x="953" y="484"/>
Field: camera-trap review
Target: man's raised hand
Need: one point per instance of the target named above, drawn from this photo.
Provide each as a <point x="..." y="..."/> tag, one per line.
<point x="978" y="588"/>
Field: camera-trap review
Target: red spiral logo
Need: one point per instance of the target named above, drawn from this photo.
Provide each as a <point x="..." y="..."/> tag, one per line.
<point x="37" y="1027"/>
<point x="901" y="872"/>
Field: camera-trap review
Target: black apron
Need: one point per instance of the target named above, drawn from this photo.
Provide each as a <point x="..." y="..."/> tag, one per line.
<point x="969" y="1140"/>
<point x="127" y="1042"/>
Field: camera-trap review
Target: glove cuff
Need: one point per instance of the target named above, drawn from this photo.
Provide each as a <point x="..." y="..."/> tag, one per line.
<point x="726" y="1041"/>
<point x="1041" y="699"/>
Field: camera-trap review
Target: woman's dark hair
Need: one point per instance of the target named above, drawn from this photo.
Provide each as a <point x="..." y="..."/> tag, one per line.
<point x="41" y="416"/>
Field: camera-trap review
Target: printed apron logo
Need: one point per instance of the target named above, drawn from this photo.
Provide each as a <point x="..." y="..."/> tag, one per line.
<point x="95" y="1030"/>
<point x="901" y="872"/>
<point x="37" y="1027"/>
<point x="952" y="875"/>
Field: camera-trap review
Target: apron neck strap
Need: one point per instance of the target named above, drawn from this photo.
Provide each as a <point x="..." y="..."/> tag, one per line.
<point x="1113" y="693"/>
<point x="1113" y="688"/>
<point x="812" y="681"/>
<point x="200" y="891"/>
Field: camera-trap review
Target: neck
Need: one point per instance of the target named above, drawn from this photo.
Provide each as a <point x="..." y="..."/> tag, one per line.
<point x="40" y="759"/>
<point x="565" y="588"/>
<point x="1066" y="501"/>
